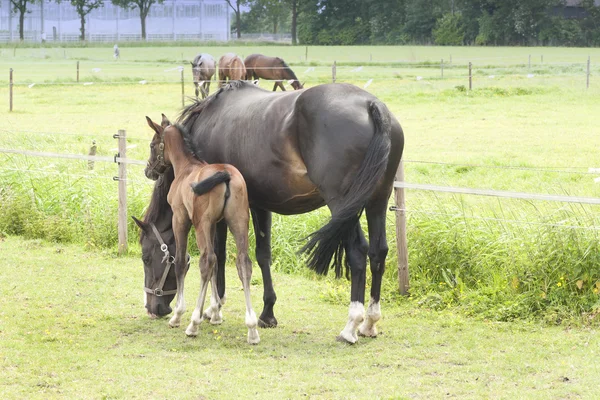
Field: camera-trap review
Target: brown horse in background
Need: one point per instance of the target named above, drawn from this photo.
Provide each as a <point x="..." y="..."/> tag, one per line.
<point x="201" y="195"/>
<point x="272" y="68"/>
<point x="231" y="67"/>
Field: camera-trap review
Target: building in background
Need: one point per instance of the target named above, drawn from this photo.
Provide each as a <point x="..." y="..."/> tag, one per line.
<point x="172" y="20"/>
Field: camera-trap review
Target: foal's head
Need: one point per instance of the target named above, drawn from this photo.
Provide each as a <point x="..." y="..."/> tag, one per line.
<point x="158" y="161"/>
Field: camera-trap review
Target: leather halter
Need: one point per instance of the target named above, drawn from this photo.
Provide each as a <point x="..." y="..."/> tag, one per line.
<point x="170" y="260"/>
<point x="160" y="158"/>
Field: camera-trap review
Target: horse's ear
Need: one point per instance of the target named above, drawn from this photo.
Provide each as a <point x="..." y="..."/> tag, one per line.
<point x="155" y="127"/>
<point x="165" y="121"/>
<point x="191" y="62"/>
<point x="143" y="226"/>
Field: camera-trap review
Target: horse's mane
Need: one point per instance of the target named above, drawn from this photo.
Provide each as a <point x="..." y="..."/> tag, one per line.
<point x="288" y="69"/>
<point x="158" y="203"/>
<point x="190" y="113"/>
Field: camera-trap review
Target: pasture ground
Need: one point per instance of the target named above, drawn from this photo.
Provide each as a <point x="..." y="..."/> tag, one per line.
<point x="72" y="325"/>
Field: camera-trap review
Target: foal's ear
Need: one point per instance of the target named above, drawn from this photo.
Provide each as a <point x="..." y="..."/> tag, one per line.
<point x="155" y="127"/>
<point x="165" y="121"/>
<point x="143" y="226"/>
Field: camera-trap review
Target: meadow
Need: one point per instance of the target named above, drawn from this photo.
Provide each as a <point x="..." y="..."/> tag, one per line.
<point x="522" y="128"/>
<point x="72" y="325"/>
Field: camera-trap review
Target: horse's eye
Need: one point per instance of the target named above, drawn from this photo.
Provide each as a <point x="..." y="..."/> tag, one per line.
<point x="146" y="259"/>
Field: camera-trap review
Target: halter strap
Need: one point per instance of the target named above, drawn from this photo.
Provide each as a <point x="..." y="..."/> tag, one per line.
<point x="170" y="260"/>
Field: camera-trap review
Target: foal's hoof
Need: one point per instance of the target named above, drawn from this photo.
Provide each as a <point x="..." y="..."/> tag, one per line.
<point x="270" y="322"/>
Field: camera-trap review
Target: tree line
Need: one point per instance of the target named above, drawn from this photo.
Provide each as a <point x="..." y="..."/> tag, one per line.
<point x="350" y="22"/>
<point x="441" y="22"/>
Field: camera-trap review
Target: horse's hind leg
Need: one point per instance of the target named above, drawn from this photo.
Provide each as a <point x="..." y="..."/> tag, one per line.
<point x="356" y="255"/>
<point x="208" y="260"/>
<point x="261" y="220"/>
<point x="378" y="249"/>
<point x="238" y="223"/>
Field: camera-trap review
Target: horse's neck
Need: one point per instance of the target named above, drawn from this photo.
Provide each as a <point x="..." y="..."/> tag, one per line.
<point x="178" y="156"/>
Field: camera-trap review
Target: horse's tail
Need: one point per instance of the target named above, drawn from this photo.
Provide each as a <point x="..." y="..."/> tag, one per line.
<point x="210" y="183"/>
<point x="329" y="241"/>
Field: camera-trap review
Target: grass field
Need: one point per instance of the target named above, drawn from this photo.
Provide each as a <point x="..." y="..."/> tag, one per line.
<point x="72" y="325"/>
<point x="519" y="129"/>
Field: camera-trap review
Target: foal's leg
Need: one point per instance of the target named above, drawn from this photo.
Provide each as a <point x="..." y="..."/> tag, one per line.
<point x="207" y="265"/>
<point x="218" y="295"/>
<point x="378" y="250"/>
<point x="238" y="223"/>
<point x="181" y="229"/>
<point x="261" y="220"/>
<point x="356" y="255"/>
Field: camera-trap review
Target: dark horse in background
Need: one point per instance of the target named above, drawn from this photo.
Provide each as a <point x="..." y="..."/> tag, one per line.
<point x="334" y="145"/>
<point x="272" y="68"/>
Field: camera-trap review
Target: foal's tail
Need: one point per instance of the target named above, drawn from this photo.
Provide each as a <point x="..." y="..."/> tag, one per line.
<point x="210" y="183"/>
<point x="329" y="241"/>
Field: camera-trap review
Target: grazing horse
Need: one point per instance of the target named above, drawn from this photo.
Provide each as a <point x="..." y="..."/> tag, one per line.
<point x="272" y="68"/>
<point x="334" y="145"/>
<point x="218" y="192"/>
<point x="203" y="69"/>
<point x="231" y="67"/>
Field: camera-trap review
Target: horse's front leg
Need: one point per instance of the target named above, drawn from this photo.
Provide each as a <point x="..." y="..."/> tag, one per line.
<point x="208" y="261"/>
<point x="213" y="313"/>
<point x="197" y="89"/>
<point x="261" y="220"/>
<point x="180" y="231"/>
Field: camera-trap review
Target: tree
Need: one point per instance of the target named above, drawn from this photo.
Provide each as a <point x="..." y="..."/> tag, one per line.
<point x="238" y="16"/>
<point x="20" y="6"/>
<point x="142" y="5"/>
<point x="294" y="22"/>
<point x="84" y="7"/>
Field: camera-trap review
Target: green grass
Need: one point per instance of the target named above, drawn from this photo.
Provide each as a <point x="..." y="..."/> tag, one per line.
<point x="72" y="325"/>
<point x="494" y="259"/>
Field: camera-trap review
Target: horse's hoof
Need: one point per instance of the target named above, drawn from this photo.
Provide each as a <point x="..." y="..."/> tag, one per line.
<point x="367" y="332"/>
<point x="270" y="322"/>
<point x="342" y="339"/>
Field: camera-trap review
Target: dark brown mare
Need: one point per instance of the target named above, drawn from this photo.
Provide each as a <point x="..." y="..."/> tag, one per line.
<point x="200" y="196"/>
<point x="271" y="68"/>
<point x="203" y="69"/>
<point x="334" y="145"/>
<point x="231" y="67"/>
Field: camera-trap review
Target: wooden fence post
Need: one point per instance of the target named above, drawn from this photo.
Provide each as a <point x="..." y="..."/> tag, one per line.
<point x="122" y="226"/>
<point x="77" y="71"/>
<point x="333" y="72"/>
<point x="529" y="67"/>
<point x="587" y="82"/>
<point x="470" y="76"/>
<point x="442" y="68"/>
<point x="10" y="90"/>
<point x="401" y="243"/>
<point x="182" y="90"/>
<point x="306" y="53"/>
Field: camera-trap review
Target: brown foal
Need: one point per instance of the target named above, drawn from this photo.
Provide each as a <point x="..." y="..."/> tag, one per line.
<point x="201" y="195"/>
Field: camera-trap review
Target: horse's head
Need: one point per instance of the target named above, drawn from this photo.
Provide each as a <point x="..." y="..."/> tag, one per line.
<point x="157" y="162"/>
<point x="197" y="71"/>
<point x="297" y="85"/>
<point x="160" y="284"/>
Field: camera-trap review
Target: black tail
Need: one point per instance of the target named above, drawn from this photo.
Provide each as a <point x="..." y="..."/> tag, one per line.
<point x="329" y="241"/>
<point x="208" y="184"/>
